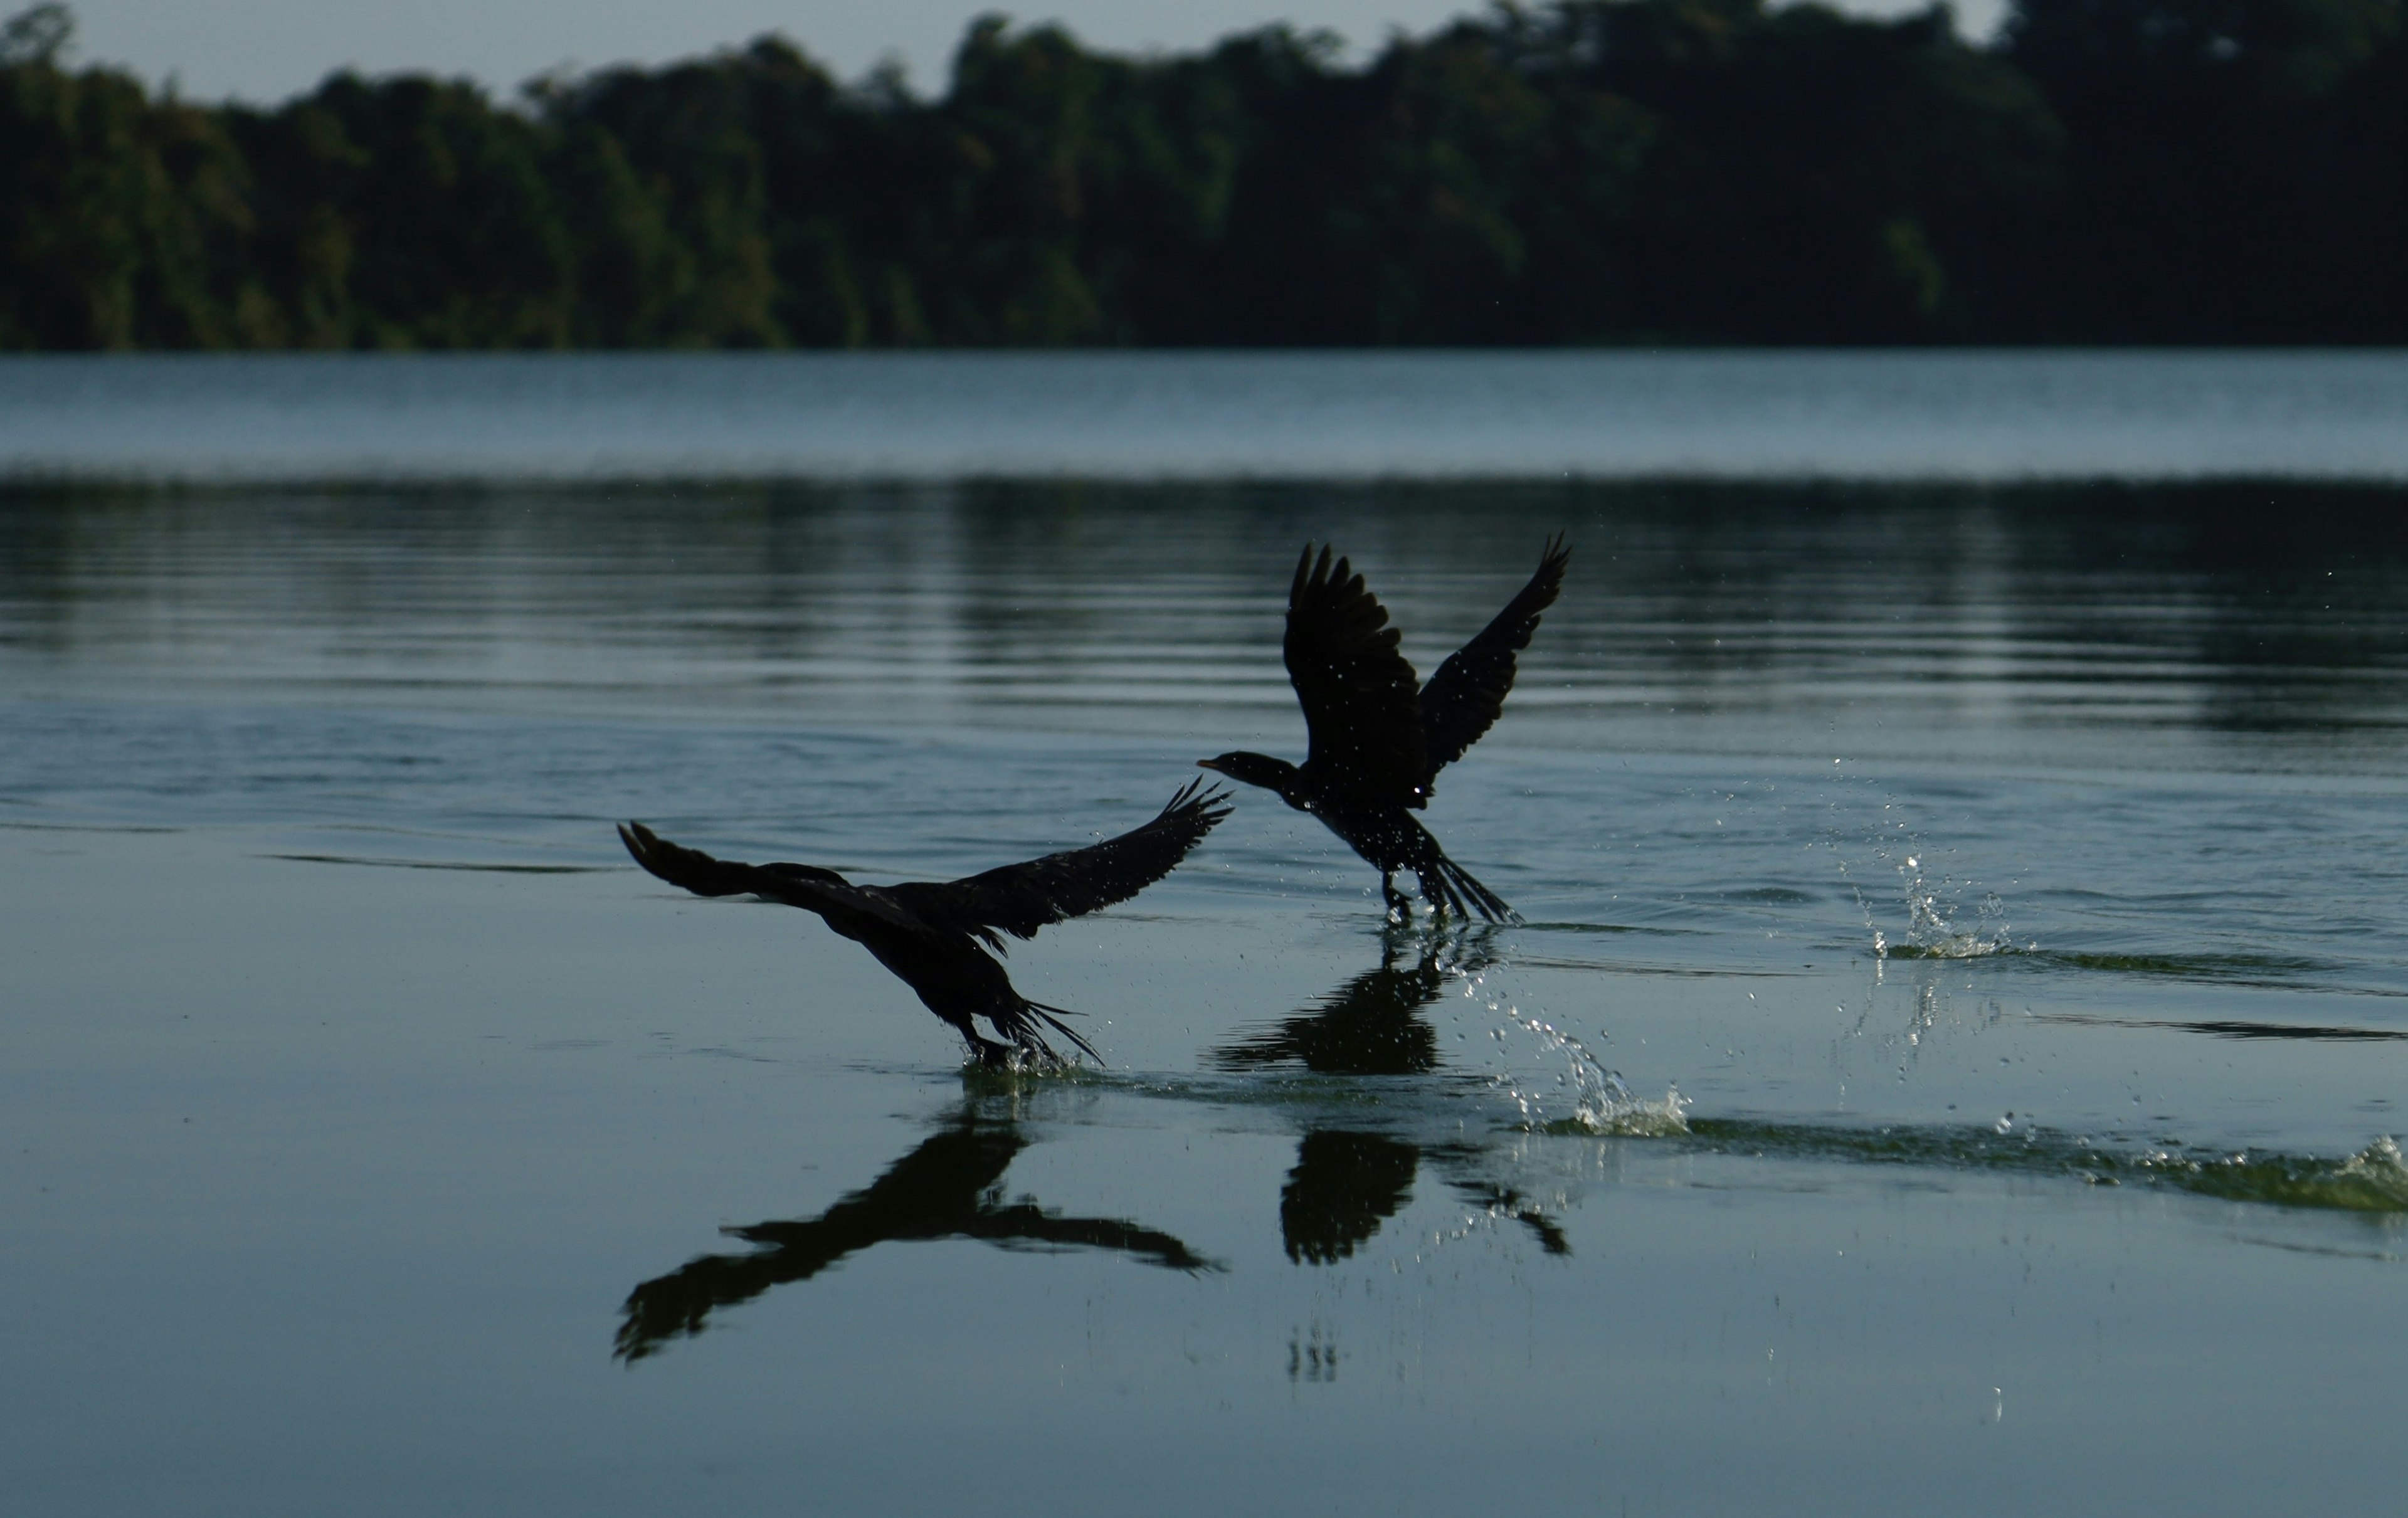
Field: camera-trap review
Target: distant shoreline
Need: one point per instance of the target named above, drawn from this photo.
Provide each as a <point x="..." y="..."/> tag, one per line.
<point x="1667" y="174"/>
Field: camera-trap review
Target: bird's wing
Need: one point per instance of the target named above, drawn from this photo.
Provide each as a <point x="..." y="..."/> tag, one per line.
<point x="1018" y="899"/>
<point x="796" y="885"/>
<point x="1463" y="699"/>
<point x="1361" y="704"/>
<point x="1028" y="1226"/>
<point x="935" y="1191"/>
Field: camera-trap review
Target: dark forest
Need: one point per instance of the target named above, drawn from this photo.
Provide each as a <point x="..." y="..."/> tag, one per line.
<point x="1595" y="172"/>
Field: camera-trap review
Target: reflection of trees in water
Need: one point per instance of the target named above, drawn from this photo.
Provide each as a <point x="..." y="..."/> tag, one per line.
<point x="948" y="1187"/>
<point x="2231" y="608"/>
<point x="2300" y="624"/>
<point x="38" y="573"/>
<point x="2227" y="607"/>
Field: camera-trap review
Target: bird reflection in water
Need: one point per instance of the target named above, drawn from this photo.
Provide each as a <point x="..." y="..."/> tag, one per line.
<point x="1372" y="1024"/>
<point x="1345" y="1185"/>
<point x="1348" y="1181"/>
<point x="950" y="1186"/>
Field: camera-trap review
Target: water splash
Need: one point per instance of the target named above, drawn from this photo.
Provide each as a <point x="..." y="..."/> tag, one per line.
<point x="1933" y="930"/>
<point x="1935" y="920"/>
<point x="1602" y="1101"/>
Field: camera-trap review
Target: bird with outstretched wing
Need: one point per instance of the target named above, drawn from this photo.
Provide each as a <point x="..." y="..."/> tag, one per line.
<point x="934" y="936"/>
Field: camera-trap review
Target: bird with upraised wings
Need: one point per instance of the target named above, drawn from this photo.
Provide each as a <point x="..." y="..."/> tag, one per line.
<point x="1376" y="737"/>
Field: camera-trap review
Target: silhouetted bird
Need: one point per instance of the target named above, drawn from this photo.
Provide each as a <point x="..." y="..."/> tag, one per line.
<point x="929" y="934"/>
<point x="1377" y="736"/>
<point x="949" y="1187"/>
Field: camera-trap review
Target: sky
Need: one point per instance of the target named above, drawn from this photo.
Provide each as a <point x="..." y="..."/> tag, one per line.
<point x="266" y="50"/>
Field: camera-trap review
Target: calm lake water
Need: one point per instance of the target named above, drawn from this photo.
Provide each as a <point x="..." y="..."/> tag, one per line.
<point x="1949" y="1063"/>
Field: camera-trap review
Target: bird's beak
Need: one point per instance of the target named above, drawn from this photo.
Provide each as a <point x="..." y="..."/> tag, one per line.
<point x="1207" y="763"/>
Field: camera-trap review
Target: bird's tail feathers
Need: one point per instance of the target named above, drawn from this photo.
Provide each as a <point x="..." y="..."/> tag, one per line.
<point x="1020" y="1028"/>
<point x="1450" y="887"/>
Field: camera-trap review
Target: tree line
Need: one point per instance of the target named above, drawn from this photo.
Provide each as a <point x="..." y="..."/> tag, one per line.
<point x="1585" y="172"/>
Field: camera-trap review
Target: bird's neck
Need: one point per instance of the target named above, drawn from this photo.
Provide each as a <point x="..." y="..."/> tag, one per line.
<point x="1269" y="773"/>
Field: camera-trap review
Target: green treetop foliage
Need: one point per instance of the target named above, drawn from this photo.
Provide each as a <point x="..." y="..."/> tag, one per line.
<point x="1592" y="171"/>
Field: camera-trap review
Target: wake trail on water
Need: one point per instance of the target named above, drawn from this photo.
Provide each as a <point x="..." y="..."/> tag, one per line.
<point x="2374" y="1179"/>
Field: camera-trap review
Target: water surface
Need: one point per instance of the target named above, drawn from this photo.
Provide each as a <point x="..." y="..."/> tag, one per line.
<point x="934" y="416"/>
<point x="2000" y="884"/>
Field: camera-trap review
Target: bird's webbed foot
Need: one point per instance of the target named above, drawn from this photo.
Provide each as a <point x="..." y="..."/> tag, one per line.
<point x="989" y="1055"/>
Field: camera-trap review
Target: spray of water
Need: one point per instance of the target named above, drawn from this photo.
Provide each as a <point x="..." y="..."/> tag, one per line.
<point x="1935" y="920"/>
<point x="1588" y="1096"/>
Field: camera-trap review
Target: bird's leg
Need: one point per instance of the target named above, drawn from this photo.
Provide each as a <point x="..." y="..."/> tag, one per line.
<point x="1400" y="910"/>
<point x="990" y="1054"/>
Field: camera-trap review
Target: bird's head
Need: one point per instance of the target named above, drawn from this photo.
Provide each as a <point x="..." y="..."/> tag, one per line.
<point x="1252" y="768"/>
